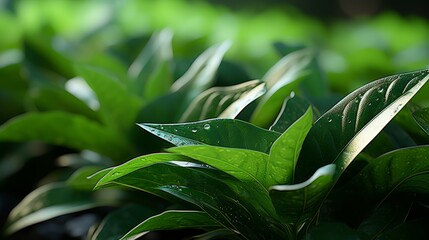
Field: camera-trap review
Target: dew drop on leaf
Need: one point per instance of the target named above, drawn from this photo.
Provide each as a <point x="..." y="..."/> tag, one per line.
<point x="207" y="126"/>
<point x="380" y="89"/>
<point x="194" y="130"/>
<point x="329" y="119"/>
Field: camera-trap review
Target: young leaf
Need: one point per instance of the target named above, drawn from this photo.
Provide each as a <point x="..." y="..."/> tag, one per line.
<point x="118" y="107"/>
<point x="217" y="132"/>
<point x="341" y="133"/>
<point x="48" y="202"/>
<point x="171" y="220"/>
<point x="245" y="165"/>
<point x="297" y="203"/>
<point x="281" y="80"/>
<point x="69" y="130"/>
<point x="422" y="118"/>
<point x="285" y="151"/>
<point x="119" y="222"/>
<point x="152" y="69"/>
<point x="223" y="102"/>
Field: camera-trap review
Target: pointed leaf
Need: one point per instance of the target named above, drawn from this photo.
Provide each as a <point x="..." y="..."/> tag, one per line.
<point x="293" y="108"/>
<point x="172" y="220"/>
<point x="152" y="69"/>
<point x="422" y="118"/>
<point x="118" y="107"/>
<point x="66" y="130"/>
<point x="297" y="203"/>
<point x="223" y="102"/>
<point x="282" y="79"/>
<point x="48" y="202"/>
<point x="218" y="132"/>
<point x="341" y="133"/>
<point x="119" y="222"/>
<point x="246" y="165"/>
<point x="285" y="151"/>
<point x="217" y="234"/>
<point x="79" y="179"/>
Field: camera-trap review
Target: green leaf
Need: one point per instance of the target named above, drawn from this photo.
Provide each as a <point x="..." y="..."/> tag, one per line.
<point x="118" y="108"/>
<point x="246" y="165"/>
<point x="217" y="132"/>
<point x="48" y="202"/>
<point x="298" y="202"/>
<point x="223" y="102"/>
<point x="332" y="230"/>
<point x="217" y="234"/>
<point x="120" y="221"/>
<point x="66" y="130"/>
<point x="285" y="151"/>
<point x="137" y="163"/>
<point x="415" y="229"/>
<point x="422" y="118"/>
<point x="79" y="179"/>
<point x="57" y="99"/>
<point x="238" y="208"/>
<point x="172" y="220"/>
<point x="152" y="71"/>
<point x="282" y="79"/>
<point x="405" y="170"/>
<point x="343" y="132"/>
<point x="293" y="108"/>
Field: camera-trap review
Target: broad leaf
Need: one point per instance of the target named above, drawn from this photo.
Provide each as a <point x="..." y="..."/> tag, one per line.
<point x="285" y="151"/>
<point x="171" y="220"/>
<point x="67" y="130"/>
<point x="422" y="118"/>
<point x="152" y="69"/>
<point x="297" y="203"/>
<point x="207" y="188"/>
<point x="405" y="170"/>
<point x="121" y="221"/>
<point x="293" y="108"/>
<point x="118" y="108"/>
<point x="246" y="165"/>
<point x="282" y="79"/>
<point x="48" y="202"/>
<point x="343" y="132"/>
<point x="223" y="102"/>
<point x="218" y="132"/>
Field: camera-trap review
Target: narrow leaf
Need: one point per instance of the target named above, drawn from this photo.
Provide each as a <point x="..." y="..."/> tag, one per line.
<point x="422" y="118"/>
<point x="66" y="130"/>
<point x="217" y="132"/>
<point x="223" y="102"/>
<point x="172" y="220"/>
<point x="343" y="132"/>
<point x="285" y="151"/>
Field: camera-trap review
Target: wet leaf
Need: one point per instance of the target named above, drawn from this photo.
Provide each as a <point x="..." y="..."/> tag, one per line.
<point x="292" y="110"/>
<point x="217" y="132"/>
<point x="422" y="118"/>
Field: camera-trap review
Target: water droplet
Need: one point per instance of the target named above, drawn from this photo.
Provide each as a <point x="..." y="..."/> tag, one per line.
<point x="380" y="89"/>
<point x="349" y="121"/>
<point x="369" y="104"/>
<point x="292" y="94"/>
<point x="162" y="128"/>
<point x="356" y="100"/>
<point x="377" y="99"/>
<point x="194" y="130"/>
<point x="207" y="126"/>
<point x="329" y="119"/>
<point x="360" y="95"/>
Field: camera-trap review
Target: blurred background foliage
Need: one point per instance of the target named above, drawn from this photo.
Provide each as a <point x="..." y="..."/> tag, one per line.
<point x="355" y="41"/>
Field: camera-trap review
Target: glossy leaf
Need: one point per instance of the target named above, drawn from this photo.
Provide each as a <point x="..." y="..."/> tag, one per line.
<point x="217" y="234"/>
<point x="172" y="220"/>
<point x="137" y="163"/>
<point x="292" y="109"/>
<point x="246" y="165"/>
<point x="48" y="202"/>
<point x="206" y="188"/>
<point x="298" y="202"/>
<point x="80" y="178"/>
<point x="121" y="221"/>
<point x="282" y="79"/>
<point x="223" y="102"/>
<point x="66" y="130"/>
<point x="422" y="118"/>
<point x="405" y="170"/>
<point x="217" y="132"/>
<point x="118" y="108"/>
<point x="341" y="133"/>
<point x="285" y="150"/>
<point x="152" y="69"/>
